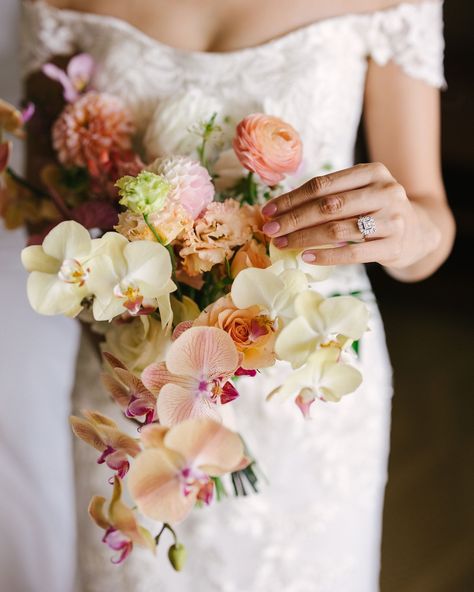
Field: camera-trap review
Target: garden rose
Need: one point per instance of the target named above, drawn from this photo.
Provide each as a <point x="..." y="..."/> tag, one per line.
<point x="137" y="342"/>
<point x="268" y="146"/>
<point x="252" y="333"/>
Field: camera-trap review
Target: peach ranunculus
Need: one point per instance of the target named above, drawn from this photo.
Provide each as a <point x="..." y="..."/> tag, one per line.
<point x="268" y="146"/>
<point x="176" y="466"/>
<point x="252" y="254"/>
<point x="252" y="333"/>
<point x="223" y="227"/>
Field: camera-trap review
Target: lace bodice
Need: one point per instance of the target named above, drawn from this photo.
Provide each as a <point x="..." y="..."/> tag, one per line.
<point x="312" y="77"/>
<point x="316" y="528"/>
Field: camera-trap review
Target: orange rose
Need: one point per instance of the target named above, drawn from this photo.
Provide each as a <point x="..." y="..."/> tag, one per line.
<point x="252" y="254"/>
<point x="268" y="146"/>
<point x="252" y="332"/>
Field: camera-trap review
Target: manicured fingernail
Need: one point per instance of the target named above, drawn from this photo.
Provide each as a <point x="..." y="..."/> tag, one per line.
<point x="308" y="257"/>
<point x="269" y="209"/>
<point x="271" y="227"/>
<point x="280" y="242"/>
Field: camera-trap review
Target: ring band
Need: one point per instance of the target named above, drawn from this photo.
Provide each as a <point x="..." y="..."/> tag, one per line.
<point x="366" y="225"/>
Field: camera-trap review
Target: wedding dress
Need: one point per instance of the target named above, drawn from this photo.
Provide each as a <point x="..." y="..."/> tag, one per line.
<point x="316" y="525"/>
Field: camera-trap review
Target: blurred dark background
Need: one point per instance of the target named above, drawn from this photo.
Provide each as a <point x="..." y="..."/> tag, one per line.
<point x="428" y="540"/>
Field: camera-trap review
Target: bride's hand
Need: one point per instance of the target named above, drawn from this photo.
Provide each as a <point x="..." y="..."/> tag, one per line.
<point x="325" y="210"/>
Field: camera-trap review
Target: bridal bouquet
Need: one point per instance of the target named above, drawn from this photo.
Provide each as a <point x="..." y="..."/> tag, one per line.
<point x="168" y="262"/>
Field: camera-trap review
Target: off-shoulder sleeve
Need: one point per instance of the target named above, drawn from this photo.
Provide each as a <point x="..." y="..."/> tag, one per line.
<point x="412" y="36"/>
<point x="42" y="35"/>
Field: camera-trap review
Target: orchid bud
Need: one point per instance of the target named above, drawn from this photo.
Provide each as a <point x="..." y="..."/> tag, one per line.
<point x="177" y="555"/>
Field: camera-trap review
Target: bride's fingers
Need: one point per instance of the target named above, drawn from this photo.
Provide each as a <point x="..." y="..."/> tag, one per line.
<point x="380" y="251"/>
<point x="339" y="231"/>
<point x="332" y="207"/>
<point x="339" y="181"/>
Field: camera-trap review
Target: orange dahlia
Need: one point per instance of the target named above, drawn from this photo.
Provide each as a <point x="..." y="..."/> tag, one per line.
<point x="90" y="129"/>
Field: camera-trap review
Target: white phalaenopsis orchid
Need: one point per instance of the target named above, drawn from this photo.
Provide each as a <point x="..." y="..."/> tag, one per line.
<point x="274" y="293"/>
<point x="321" y="321"/>
<point x="291" y="259"/>
<point x="130" y="276"/>
<point x="60" y="270"/>
<point x="322" y="377"/>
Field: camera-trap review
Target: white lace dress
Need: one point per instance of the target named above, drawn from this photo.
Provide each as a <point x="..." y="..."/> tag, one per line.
<point x="316" y="525"/>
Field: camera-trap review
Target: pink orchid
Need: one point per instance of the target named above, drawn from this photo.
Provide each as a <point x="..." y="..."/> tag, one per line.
<point x="103" y="434"/>
<point x="176" y="466"/>
<point x="128" y="391"/>
<point x="76" y="78"/>
<point x="121" y="528"/>
<point x="195" y="376"/>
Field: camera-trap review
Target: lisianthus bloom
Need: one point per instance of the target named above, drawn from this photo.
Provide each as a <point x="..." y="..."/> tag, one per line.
<point x="252" y="254"/>
<point x="268" y="146"/>
<point x="169" y="223"/>
<point x="177" y="463"/>
<point x="274" y="294"/>
<point x="103" y="434"/>
<point x="128" y="391"/>
<point x="222" y="227"/>
<point x="195" y="377"/>
<point x="322" y="377"/>
<point x="75" y="79"/>
<point x="145" y="193"/>
<point x="190" y="183"/>
<point x="130" y="277"/>
<point x="60" y="270"/>
<point x="90" y="129"/>
<point x="321" y="322"/>
<point x="122" y="530"/>
<point x="282" y="259"/>
<point x="137" y="341"/>
<point x="252" y="332"/>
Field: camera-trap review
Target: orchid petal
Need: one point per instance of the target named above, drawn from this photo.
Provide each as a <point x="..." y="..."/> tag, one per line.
<point x="153" y="483"/>
<point x="339" y="380"/>
<point x="254" y="286"/>
<point x="296" y="342"/>
<point x="203" y="352"/>
<point x="35" y="259"/>
<point x="150" y="264"/>
<point x="96" y="511"/>
<point x="152" y="435"/>
<point x="176" y="404"/>
<point x="98" y="419"/>
<point x="50" y="296"/>
<point x="346" y="315"/>
<point x="207" y="444"/>
<point x="80" y="70"/>
<point x="55" y="73"/>
<point x="67" y="240"/>
<point x="155" y="376"/>
<point x="84" y="430"/>
<point x="116" y="389"/>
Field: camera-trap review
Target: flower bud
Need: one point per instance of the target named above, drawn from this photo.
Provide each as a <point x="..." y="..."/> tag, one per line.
<point x="177" y="555"/>
<point x="144" y="194"/>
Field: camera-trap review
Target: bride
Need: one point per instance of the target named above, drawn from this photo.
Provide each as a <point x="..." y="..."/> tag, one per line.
<point x="317" y="525"/>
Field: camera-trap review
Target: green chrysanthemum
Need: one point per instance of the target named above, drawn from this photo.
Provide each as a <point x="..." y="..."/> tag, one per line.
<point x="144" y="194"/>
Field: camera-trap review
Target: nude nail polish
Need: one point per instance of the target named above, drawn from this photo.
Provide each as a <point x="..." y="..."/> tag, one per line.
<point x="271" y="227"/>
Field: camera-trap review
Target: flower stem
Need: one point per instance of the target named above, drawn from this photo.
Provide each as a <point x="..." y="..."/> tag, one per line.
<point x="169" y="248"/>
<point x="24" y="183"/>
<point x="166" y="526"/>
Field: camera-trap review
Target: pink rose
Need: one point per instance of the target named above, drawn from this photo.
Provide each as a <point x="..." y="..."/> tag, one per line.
<point x="268" y="146"/>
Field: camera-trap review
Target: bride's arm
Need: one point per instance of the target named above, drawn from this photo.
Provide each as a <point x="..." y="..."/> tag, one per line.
<point x="405" y="194"/>
<point x="402" y="121"/>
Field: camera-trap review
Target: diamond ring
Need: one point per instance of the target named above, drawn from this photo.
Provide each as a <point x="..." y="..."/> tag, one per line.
<point x="366" y="225"/>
